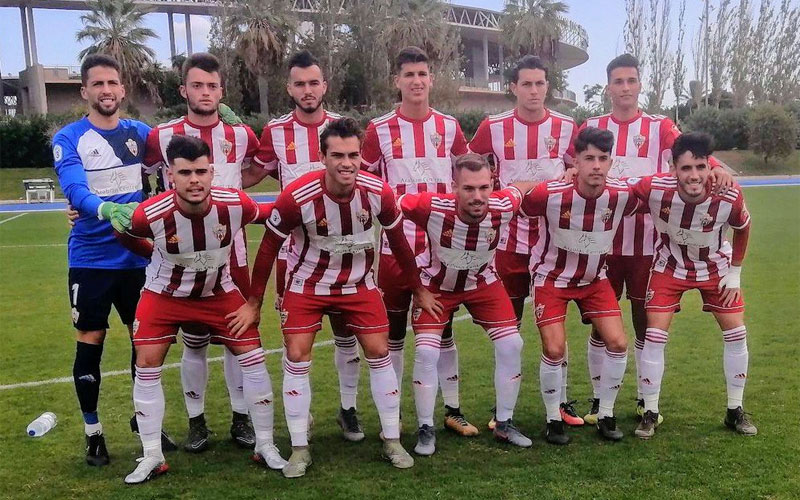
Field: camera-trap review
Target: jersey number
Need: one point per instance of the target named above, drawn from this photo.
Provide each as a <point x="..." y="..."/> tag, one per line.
<point x="75" y="294"/>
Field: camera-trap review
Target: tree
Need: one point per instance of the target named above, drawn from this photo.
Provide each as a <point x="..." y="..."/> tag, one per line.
<point x="773" y="131"/>
<point x="634" y="32"/>
<point x="533" y="27"/>
<point x="114" y="27"/>
<point x="719" y="51"/>
<point x="658" y="55"/>
<point x="742" y="48"/>
<point x="679" y="65"/>
<point x="260" y="31"/>
<point x="597" y="101"/>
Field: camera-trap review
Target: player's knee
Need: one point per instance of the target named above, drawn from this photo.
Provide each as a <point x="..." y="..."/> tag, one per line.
<point x="373" y="352"/>
<point x="617" y="344"/>
<point x="553" y="351"/>
<point x="297" y="354"/>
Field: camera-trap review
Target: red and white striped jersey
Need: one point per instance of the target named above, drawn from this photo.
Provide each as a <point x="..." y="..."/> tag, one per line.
<point x="333" y="242"/>
<point x="191" y="253"/>
<point x="462" y="254"/>
<point x="413" y="156"/>
<point x="692" y="237"/>
<point x="525" y="151"/>
<point x="290" y="148"/>
<point x="576" y="232"/>
<point x="642" y="146"/>
<point x="232" y="147"/>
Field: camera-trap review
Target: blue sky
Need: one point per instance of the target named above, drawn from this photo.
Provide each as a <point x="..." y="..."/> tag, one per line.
<point x="55" y="34"/>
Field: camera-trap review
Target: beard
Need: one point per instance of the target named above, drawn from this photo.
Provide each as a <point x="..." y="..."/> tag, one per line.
<point x="200" y="111"/>
<point x="105" y="111"/>
<point x="307" y="109"/>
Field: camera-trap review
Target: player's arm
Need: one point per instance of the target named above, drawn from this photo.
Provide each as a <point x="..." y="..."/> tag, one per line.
<point x="265" y="156"/>
<point x="534" y="204"/>
<point x="371" y="154"/>
<point x="739" y="220"/>
<point x="525" y="187"/>
<point x="252" y="172"/>
<point x="138" y="236"/>
<point x="459" y="142"/>
<point x="481" y="142"/>
<point x="570" y="168"/>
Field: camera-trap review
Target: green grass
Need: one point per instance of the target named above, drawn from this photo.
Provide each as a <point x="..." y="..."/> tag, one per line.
<point x="749" y="163"/>
<point x="691" y="456"/>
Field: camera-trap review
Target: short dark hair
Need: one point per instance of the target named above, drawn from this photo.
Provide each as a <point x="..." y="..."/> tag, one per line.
<point x="343" y="128"/>
<point x="303" y="59"/>
<point x="94" y="60"/>
<point x="622" y="61"/>
<point x="527" y="62"/>
<point x="601" y="139"/>
<point x="700" y="144"/>
<point x="186" y="147"/>
<point x="472" y="162"/>
<point x="409" y="55"/>
<point x="203" y="60"/>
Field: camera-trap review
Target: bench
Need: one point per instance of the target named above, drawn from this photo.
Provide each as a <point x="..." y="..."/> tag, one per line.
<point x="39" y="190"/>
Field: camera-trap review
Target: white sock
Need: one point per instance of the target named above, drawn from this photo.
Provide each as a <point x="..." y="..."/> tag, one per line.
<point x="148" y="401"/>
<point x="297" y="399"/>
<point x="257" y="390"/>
<point x="348" y="364"/>
<point x="594" y="357"/>
<point x="735" y="359"/>
<point x="507" y="370"/>
<point x="386" y="395"/>
<point x="92" y="429"/>
<point x="550" y="385"/>
<point x="396" y="352"/>
<point x="638" y="345"/>
<point x="651" y="367"/>
<point x="611" y="381"/>
<point x="194" y="373"/>
<point x="564" y="365"/>
<point x="234" y="381"/>
<point x="448" y="372"/>
<point x="426" y="359"/>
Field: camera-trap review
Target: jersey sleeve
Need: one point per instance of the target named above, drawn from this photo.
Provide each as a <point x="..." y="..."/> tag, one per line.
<point x="285" y="215"/>
<point x="250" y="209"/>
<point x="72" y="176"/>
<point x="641" y="187"/>
<point x="416" y="207"/>
<point x="534" y="204"/>
<point x="140" y="226"/>
<point x="371" y="154"/>
<point x="739" y="217"/>
<point x="252" y="147"/>
<point x="459" y="142"/>
<point x="265" y="156"/>
<point x="569" y="154"/>
<point x="389" y="215"/>
<point x="668" y="132"/>
<point x="510" y="194"/>
<point x="153" y="158"/>
<point x="481" y="142"/>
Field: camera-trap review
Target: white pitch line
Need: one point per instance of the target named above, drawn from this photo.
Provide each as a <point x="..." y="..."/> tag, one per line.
<point x="35" y="245"/>
<point x="64" y="380"/>
<point x="12" y="218"/>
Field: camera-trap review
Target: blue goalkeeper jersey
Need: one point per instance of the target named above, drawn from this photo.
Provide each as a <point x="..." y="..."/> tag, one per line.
<point x="93" y="166"/>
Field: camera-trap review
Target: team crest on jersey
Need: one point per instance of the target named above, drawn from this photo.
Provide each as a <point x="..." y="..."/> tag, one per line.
<point x="490" y="234"/>
<point x="416" y="313"/>
<point x="363" y="216"/>
<point x="539" y="310"/>
<point x="226" y="146"/>
<point x="605" y="215"/>
<point x="397" y="143"/>
<point x="58" y="153"/>
<point x="706" y="219"/>
<point x="173" y="240"/>
<point x="638" y="140"/>
<point x="133" y="147"/>
<point x="220" y="231"/>
<point x="436" y="139"/>
<point x="291" y="146"/>
<point x="549" y="142"/>
<point x="649" y="296"/>
<point x="284" y="316"/>
<point x="510" y="143"/>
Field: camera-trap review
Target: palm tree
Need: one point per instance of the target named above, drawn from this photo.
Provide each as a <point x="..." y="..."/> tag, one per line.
<point x="260" y="31"/>
<point x="115" y="28"/>
<point x="533" y="27"/>
<point x="416" y="22"/>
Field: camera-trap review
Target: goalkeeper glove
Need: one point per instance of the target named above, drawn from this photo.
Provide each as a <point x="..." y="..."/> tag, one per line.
<point x="118" y="214"/>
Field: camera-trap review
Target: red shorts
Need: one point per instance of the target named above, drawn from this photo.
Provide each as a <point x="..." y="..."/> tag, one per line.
<point x="396" y="297"/>
<point x="489" y="306"/>
<point x="664" y="294"/>
<point x="629" y="271"/>
<point x="595" y="300"/>
<point x="158" y="318"/>
<point x="280" y="276"/>
<point x="513" y="269"/>
<point x="361" y="312"/>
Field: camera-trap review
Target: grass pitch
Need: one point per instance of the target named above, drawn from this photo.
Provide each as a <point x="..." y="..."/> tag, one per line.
<point x="691" y="456"/>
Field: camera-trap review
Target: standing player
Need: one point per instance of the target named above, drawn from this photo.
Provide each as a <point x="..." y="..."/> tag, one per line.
<point x="642" y="147"/>
<point x="290" y="148"/>
<point x="411" y="148"/>
<point x="693" y="253"/>
<point x="529" y="143"/>
<point x="193" y="227"/>
<point x="330" y="215"/>
<point x="98" y="160"/>
<point x="578" y="222"/>
<point x="464" y="228"/>
<point x="231" y="148"/>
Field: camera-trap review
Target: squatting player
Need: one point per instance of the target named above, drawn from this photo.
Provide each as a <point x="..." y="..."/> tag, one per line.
<point x="464" y="228"/>
<point x="290" y="148"/>
<point x="529" y="143"/>
<point x="193" y="227"/>
<point x="578" y="223"/>
<point x="330" y="216"/>
<point x="98" y="160"/>
<point x="693" y="252"/>
<point x="231" y="148"/>
<point x="411" y="148"/>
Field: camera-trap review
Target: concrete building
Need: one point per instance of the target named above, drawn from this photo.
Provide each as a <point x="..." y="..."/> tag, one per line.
<point x="43" y="90"/>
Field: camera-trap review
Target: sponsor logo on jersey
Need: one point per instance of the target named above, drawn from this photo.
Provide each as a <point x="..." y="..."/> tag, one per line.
<point x="220" y="231"/>
<point x="490" y="234"/>
<point x="291" y="146"/>
<point x="448" y="233"/>
<point x="201" y="259"/>
<point x="549" y="142"/>
<point x="173" y="240"/>
<point x="397" y="143"/>
<point x="363" y="216"/>
<point x="706" y="219"/>
<point x="58" y="153"/>
<point x="605" y="215"/>
<point x="94" y="153"/>
<point x="225" y="146"/>
<point x="539" y="310"/>
<point x="510" y="143"/>
<point x="133" y="147"/>
<point x="638" y="140"/>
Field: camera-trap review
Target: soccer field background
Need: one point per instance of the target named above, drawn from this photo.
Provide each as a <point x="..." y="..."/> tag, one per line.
<point x="691" y="456"/>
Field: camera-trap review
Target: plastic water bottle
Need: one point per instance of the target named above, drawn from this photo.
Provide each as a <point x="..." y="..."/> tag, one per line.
<point x="41" y="425"/>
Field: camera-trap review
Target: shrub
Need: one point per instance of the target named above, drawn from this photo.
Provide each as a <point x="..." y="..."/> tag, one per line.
<point x="25" y="142"/>
<point x="773" y="131"/>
